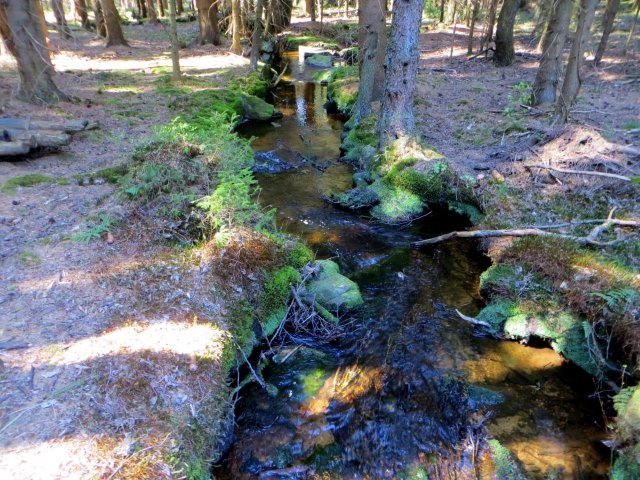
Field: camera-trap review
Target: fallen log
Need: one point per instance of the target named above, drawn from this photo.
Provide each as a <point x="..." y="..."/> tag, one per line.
<point x="581" y="172"/>
<point x="69" y="126"/>
<point x="38" y="138"/>
<point x="8" y="149"/>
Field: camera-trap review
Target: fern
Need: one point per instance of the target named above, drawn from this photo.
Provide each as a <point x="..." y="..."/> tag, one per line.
<point x="621" y="400"/>
<point x="616" y="299"/>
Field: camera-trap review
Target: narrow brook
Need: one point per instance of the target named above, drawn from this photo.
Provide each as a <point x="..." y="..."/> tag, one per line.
<point x="412" y="391"/>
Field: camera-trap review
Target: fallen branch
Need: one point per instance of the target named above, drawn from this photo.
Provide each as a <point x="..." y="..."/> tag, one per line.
<point x="581" y="172"/>
<point x="472" y="320"/>
<point x="527" y="232"/>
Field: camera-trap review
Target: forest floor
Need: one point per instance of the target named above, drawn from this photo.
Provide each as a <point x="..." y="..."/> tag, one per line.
<point x="89" y="326"/>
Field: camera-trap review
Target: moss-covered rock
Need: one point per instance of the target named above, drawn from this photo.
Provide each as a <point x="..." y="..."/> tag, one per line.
<point x="505" y="464"/>
<point x="567" y="334"/>
<point x="332" y="289"/>
<point x="254" y="108"/>
<point x="318" y="60"/>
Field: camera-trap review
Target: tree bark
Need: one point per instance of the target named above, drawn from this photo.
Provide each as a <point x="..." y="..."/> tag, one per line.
<point x="400" y="68"/>
<point x="546" y="9"/>
<point x="256" y="38"/>
<point x="112" y="24"/>
<point x="208" y="22"/>
<point x="179" y="7"/>
<point x="161" y="8"/>
<point x="101" y="28"/>
<point x="633" y="28"/>
<point x="175" y="46"/>
<point x="472" y="27"/>
<point x="572" y="81"/>
<point x="607" y="26"/>
<point x="505" y="54"/>
<point x="442" y="11"/>
<point x="236" y="26"/>
<point x="61" y="22"/>
<point x="548" y="75"/>
<point x="372" y="40"/>
<point x="21" y="26"/>
<point x="310" y="9"/>
<point x="81" y="11"/>
<point x="151" y="11"/>
<point x="491" y="22"/>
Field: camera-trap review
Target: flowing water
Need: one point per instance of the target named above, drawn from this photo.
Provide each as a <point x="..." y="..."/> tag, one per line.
<point x="412" y="390"/>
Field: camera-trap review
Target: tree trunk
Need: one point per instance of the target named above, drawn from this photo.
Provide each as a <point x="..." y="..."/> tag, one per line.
<point x="372" y="40"/>
<point x="81" y="11"/>
<point x="236" y="26"/>
<point x="112" y="23"/>
<point x="545" y="15"/>
<point x="161" y="8"/>
<point x="505" y="54"/>
<point x="491" y="22"/>
<point x="472" y="27"/>
<point x="21" y="26"/>
<point x="633" y="28"/>
<point x="175" y="46"/>
<point x="101" y="28"/>
<point x="548" y="75"/>
<point x="208" y="21"/>
<point x="151" y="11"/>
<point x="400" y="68"/>
<point x="179" y="7"/>
<point x="607" y="26"/>
<point x="571" y="84"/>
<point x="310" y="9"/>
<point x="256" y="39"/>
<point x="442" y="11"/>
<point x="61" y="22"/>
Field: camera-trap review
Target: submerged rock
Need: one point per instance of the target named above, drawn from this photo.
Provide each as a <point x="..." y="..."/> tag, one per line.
<point x="332" y="289"/>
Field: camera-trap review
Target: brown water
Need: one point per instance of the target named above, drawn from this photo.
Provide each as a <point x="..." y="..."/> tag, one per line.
<point x="413" y="390"/>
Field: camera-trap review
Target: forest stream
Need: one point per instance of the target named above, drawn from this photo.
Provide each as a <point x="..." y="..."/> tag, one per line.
<point x="412" y="389"/>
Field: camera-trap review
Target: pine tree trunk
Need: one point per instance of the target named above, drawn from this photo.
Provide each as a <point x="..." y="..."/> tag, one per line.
<point x="545" y="15"/>
<point x="208" y="21"/>
<point x="491" y="23"/>
<point x="633" y="28"/>
<point x="400" y="68"/>
<point x="548" y="75"/>
<point x="607" y="26"/>
<point x="472" y="27"/>
<point x="572" y="81"/>
<point x="236" y="26"/>
<point x="151" y="11"/>
<point x="161" y="8"/>
<point x="179" y="7"/>
<point x="101" y="28"/>
<point x="61" y="22"/>
<point x="505" y="54"/>
<point x="256" y="38"/>
<point x="175" y="46"/>
<point x="112" y="24"/>
<point x="372" y="40"/>
<point x="81" y="11"/>
<point x="21" y="26"/>
<point x="310" y="9"/>
<point x="442" y="11"/>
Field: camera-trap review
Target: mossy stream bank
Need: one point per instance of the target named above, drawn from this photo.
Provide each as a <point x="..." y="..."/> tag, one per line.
<point x="409" y="384"/>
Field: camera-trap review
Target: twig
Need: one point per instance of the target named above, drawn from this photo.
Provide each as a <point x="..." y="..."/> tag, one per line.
<point x="472" y="320"/>
<point x="253" y="372"/>
<point x="581" y="172"/>
<point x="138" y="452"/>
<point x="279" y="77"/>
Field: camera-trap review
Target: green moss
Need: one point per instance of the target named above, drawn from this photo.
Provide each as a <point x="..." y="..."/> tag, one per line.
<point x="241" y="326"/>
<point x="506" y="465"/>
<point x="395" y="204"/>
<point x="252" y="84"/>
<point x="299" y="255"/>
<point x="293" y="42"/>
<point x="359" y="145"/>
<point x="333" y="290"/>
<point x="472" y="212"/>
<point x="343" y="88"/>
<point x="498" y="312"/>
<point x="498" y="278"/>
<point x="627" y="465"/>
<point x="275" y="295"/>
<point x="111" y="175"/>
<point x="11" y="185"/>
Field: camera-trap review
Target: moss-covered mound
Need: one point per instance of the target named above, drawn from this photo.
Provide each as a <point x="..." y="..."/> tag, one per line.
<point x="236" y="106"/>
<point x="627" y="405"/>
<point x="333" y="290"/>
<point x="342" y="90"/>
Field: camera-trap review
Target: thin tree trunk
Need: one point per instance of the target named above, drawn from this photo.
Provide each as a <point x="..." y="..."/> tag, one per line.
<point x="505" y="54"/>
<point x="61" y="22"/>
<point x="256" y="40"/>
<point x="545" y="15"/>
<point x="548" y="75"/>
<point x="442" y="2"/>
<point x="372" y="40"/>
<point x="151" y="11"/>
<point x="175" y="46"/>
<point x="208" y="22"/>
<point x="572" y="81"/>
<point x="633" y="28"/>
<point x="161" y="8"/>
<point x="236" y="25"/>
<point x="21" y="26"/>
<point x="101" y="28"/>
<point x="472" y="27"/>
<point x="112" y="23"/>
<point x="81" y="11"/>
<point x="400" y="66"/>
<point x="310" y="9"/>
<point x="607" y="26"/>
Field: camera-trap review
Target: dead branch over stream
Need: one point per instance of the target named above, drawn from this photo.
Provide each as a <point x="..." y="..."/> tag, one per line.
<point x="591" y="239"/>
